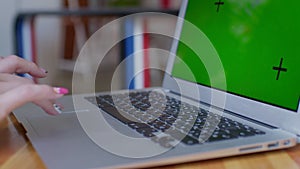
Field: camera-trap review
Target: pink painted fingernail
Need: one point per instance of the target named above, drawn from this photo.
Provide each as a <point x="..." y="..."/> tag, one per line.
<point x="61" y="90"/>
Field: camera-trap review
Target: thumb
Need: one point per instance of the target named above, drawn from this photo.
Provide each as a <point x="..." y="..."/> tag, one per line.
<point x="16" y="97"/>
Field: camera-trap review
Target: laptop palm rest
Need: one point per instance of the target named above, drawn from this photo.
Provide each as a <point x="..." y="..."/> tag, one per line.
<point x="52" y="134"/>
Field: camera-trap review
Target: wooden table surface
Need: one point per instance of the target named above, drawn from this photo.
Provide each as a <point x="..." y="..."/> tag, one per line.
<point x="17" y="152"/>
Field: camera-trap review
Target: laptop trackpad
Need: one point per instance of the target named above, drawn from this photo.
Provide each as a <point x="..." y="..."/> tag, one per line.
<point x="65" y="125"/>
<point x="68" y="126"/>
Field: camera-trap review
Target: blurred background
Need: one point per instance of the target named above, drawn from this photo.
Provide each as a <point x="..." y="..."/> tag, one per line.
<point x="54" y="41"/>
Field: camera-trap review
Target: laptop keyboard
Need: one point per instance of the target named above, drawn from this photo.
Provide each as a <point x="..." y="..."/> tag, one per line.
<point x="152" y="113"/>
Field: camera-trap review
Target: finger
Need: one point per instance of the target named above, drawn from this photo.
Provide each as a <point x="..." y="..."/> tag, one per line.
<point x="15" y="64"/>
<point x="61" y="106"/>
<point x="14" y="98"/>
<point x="9" y="81"/>
<point x="47" y="106"/>
<point x="4" y="77"/>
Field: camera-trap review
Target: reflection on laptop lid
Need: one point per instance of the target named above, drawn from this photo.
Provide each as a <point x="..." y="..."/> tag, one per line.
<point x="256" y="43"/>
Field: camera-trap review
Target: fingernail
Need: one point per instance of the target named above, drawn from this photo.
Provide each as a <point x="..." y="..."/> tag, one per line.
<point x="61" y="90"/>
<point x="57" y="108"/>
<point x="43" y="70"/>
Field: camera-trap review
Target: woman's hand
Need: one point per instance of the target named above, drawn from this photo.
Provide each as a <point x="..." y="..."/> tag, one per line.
<point x="16" y="91"/>
<point x="41" y="95"/>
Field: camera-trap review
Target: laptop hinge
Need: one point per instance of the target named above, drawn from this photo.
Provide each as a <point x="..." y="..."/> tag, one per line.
<point x="227" y="111"/>
<point x="250" y="119"/>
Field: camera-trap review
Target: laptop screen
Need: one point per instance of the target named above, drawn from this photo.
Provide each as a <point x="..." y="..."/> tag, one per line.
<point x="258" y="45"/>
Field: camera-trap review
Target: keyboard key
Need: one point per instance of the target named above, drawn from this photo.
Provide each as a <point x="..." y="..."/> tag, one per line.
<point x="190" y="140"/>
<point x="115" y="113"/>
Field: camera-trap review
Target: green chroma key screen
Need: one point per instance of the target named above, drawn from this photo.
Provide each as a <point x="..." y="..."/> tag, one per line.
<point x="258" y="42"/>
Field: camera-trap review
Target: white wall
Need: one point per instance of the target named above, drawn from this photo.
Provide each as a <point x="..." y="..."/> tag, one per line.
<point x="9" y="9"/>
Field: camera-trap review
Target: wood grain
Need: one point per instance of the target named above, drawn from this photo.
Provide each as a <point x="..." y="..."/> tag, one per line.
<point x="17" y="152"/>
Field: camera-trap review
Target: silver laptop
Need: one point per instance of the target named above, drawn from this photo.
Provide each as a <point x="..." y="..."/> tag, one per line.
<point x="231" y="87"/>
